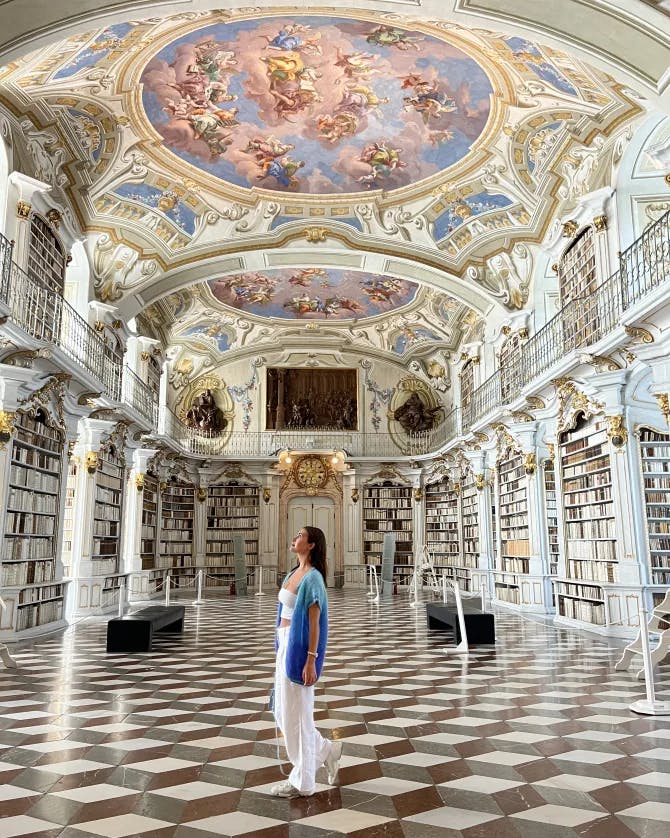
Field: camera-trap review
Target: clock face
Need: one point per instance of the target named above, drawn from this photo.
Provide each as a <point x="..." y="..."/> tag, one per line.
<point x="311" y="472"/>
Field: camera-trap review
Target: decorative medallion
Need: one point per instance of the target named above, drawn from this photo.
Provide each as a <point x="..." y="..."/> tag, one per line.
<point x="310" y="473"/>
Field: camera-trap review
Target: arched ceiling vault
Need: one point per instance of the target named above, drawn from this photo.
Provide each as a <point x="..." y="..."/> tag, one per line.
<point x="627" y="37"/>
<point x="388" y="175"/>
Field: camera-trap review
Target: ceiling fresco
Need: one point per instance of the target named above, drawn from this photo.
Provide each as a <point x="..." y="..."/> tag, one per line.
<point x="207" y="152"/>
<point x="313" y="293"/>
<point x="316" y="104"/>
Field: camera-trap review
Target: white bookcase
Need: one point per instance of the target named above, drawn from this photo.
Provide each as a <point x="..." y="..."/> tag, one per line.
<point x="443" y="530"/>
<point x="107" y="520"/>
<point x="654" y="449"/>
<point x="513" y="529"/>
<point x="591" y="564"/>
<point x="232" y="507"/>
<point x="470" y="517"/>
<point x="552" y="515"/>
<point x="31" y="580"/>
<point x="387" y="507"/>
<point x="177" y="505"/>
<point x="149" y="522"/>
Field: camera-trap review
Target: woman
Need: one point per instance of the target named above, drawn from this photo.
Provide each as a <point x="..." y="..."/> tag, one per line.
<point x="302" y="632"/>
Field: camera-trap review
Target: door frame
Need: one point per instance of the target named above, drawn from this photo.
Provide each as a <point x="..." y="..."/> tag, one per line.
<point x="336" y="561"/>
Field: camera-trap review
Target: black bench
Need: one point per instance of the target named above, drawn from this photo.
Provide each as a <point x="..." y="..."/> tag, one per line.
<point x="134" y="632"/>
<point x="479" y="625"/>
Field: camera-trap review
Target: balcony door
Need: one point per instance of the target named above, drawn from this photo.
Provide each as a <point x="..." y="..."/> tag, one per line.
<point x="304" y="511"/>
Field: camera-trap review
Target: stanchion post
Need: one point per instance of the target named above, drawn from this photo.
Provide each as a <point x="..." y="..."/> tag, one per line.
<point x="444" y="587"/>
<point x="260" y="592"/>
<point x="648" y="706"/>
<point x="483" y="591"/>
<point x="198" y="598"/>
<point x="166" y="585"/>
<point x="122" y="597"/>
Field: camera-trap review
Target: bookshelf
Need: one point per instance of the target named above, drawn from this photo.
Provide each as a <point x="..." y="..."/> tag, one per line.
<point x="30" y="578"/>
<point x="589" y="524"/>
<point x="552" y="516"/>
<point x="149" y="522"/>
<point x="46" y="264"/>
<point x="513" y="530"/>
<point x="470" y="517"/>
<point x="577" y="267"/>
<point x="387" y="507"/>
<point x="231" y="507"/>
<point x="654" y="448"/>
<point x="107" y="512"/>
<point x="443" y="530"/>
<point x="176" y="537"/>
<point x="68" y="518"/>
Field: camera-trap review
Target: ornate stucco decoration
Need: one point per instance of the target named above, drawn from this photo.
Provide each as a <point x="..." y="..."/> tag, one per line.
<point x="50" y="398"/>
<point x="616" y="431"/>
<point x="221" y="398"/>
<point x="505" y="443"/>
<point x="663" y="400"/>
<point x="639" y="334"/>
<point x="572" y="401"/>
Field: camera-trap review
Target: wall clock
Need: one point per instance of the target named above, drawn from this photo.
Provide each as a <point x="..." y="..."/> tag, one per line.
<point x="311" y="473"/>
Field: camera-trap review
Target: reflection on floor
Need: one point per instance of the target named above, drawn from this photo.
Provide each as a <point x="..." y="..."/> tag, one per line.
<point x="532" y="738"/>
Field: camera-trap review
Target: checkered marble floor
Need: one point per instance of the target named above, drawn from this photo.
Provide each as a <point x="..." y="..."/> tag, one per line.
<point x="532" y="737"/>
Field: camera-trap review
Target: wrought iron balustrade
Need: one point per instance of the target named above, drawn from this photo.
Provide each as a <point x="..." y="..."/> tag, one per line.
<point x="139" y="395"/>
<point x="49" y="318"/>
<point x="582" y="322"/>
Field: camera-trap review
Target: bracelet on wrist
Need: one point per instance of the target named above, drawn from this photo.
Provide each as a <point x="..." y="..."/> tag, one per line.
<point x="313" y="654"/>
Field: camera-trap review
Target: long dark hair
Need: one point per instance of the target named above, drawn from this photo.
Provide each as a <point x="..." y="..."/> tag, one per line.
<point x="317" y="554"/>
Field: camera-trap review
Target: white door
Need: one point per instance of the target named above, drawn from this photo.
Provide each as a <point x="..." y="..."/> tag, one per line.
<point x="314" y="512"/>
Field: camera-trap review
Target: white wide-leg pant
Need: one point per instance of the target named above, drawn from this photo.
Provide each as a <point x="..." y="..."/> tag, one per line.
<point x="294" y="711"/>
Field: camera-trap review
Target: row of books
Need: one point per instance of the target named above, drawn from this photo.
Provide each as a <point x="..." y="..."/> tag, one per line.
<point x="28" y="523"/>
<point x="221" y="510"/>
<point x="515" y="547"/>
<point x="27" y="573"/>
<point x="598" y="528"/>
<point x="598" y="571"/>
<point x="36" y="458"/>
<point x="386" y="514"/>
<point x="111" y="497"/>
<point x="24" y="547"/>
<point x="27" y="478"/>
<point x="226" y="523"/>
<point x="41" y="593"/>
<point x="593" y="511"/>
<point x="39" y="614"/>
<point x="26" y="501"/>
<point x="233" y="492"/>
<point x="591" y="550"/>
<point x="106" y="528"/>
<point x="587" y="481"/>
<point x="104" y="566"/>
<point x="577" y="609"/>
<point x="580" y="591"/>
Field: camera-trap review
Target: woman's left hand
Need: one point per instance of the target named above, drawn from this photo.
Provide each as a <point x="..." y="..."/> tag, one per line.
<point x="309" y="672"/>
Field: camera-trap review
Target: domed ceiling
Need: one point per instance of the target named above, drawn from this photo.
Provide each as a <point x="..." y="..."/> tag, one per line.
<point x="296" y="170"/>
<point x="316" y="105"/>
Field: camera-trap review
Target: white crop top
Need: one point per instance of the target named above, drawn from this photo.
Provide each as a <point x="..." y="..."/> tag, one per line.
<point x="288" y="600"/>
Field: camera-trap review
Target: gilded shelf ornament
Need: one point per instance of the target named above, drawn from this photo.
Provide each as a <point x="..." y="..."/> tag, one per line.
<point x="417" y="494"/>
<point x="480" y="482"/>
<point x="523" y="333"/>
<point x="117" y="324"/>
<point x="638" y="333"/>
<point x="99" y="326"/>
<point x="316" y="235"/>
<point x="569" y="229"/>
<point x="145" y="356"/>
<point x="535" y="402"/>
<point x="529" y="464"/>
<point x="267" y="494"/>
<point x="355" y="495"/>
<point x="162" y="486"/>
<point x="616" y="431"/>
<point x="202" y="494"/>
<point x="506" y="330"/>
<point x="88" y="399"/>
<point x="600" y="223"/>
<point x="23" y="209"/>
<point x="456" y="488"/>
<point x="139" y="482"/>
<point x="667" y="179"/>
<point x="92" y="462"/>
<point x="663" y="400"/>
<point x="7" y="419"/>
<point x="552" y="450"/>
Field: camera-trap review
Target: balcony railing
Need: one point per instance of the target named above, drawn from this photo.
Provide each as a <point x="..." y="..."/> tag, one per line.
<point x="269" y="443"/>
<point x="49" y="318"/>
<point x="580" y="323"/>
<point x="139" y="395"/>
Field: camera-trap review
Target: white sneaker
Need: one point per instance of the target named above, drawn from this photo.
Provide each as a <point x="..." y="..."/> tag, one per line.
<point x="333" y="762"/>
<point x="285" y="789"/>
